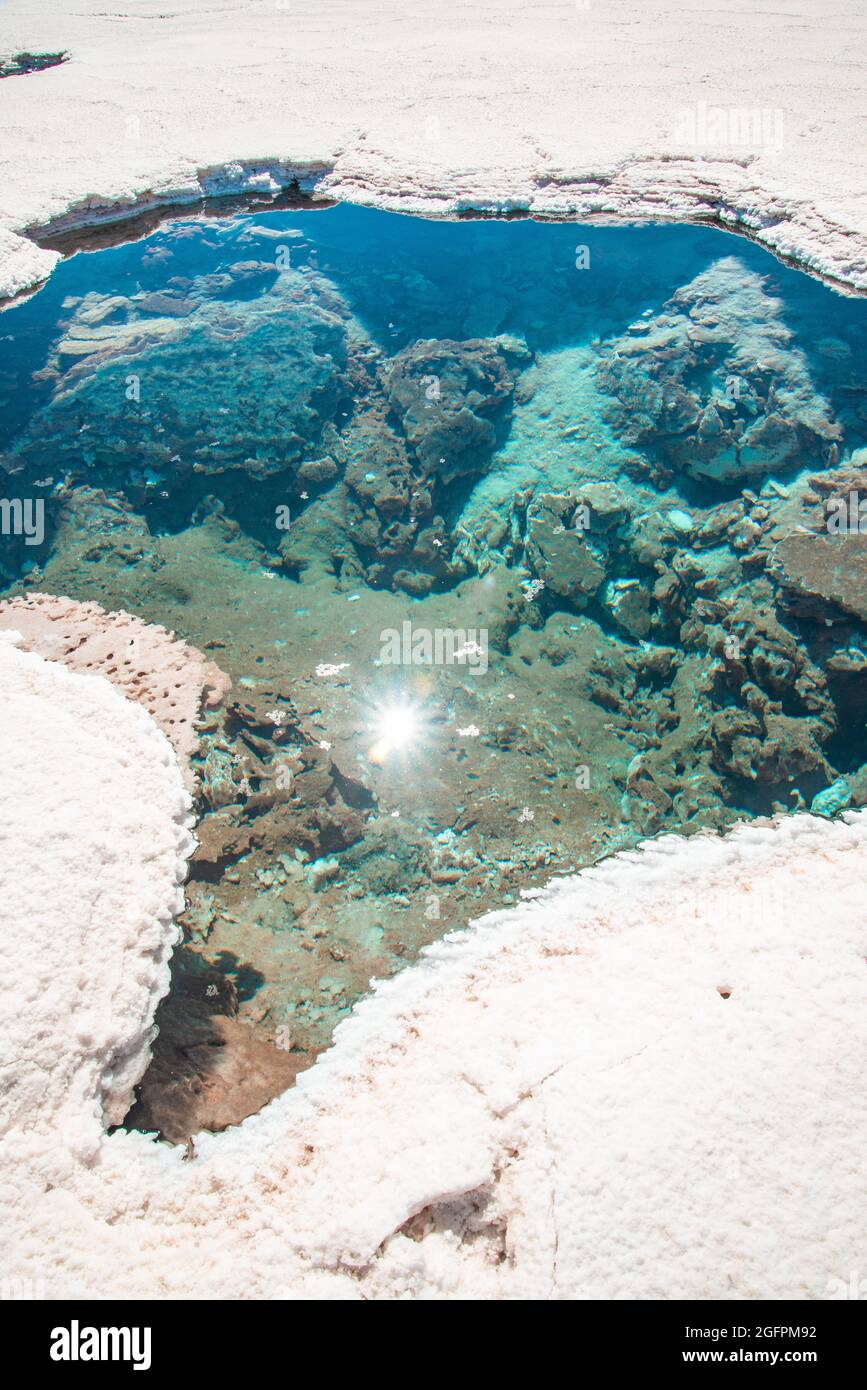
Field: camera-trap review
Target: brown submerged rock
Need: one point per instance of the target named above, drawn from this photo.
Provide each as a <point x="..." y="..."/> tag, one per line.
<point x="561" y="555"/>
<point x="823" y="573"/>
<point x="208" y="1070"/>
<point x="444" y="394"/>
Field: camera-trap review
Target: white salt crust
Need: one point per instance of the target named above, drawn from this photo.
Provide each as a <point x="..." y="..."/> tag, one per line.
<point x="645" y="1081"/>
<point x="94" y="838"/>
<point x="750" y="116"/>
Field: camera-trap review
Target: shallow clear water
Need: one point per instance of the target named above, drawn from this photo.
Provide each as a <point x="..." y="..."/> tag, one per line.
<point x="518" y="542"/>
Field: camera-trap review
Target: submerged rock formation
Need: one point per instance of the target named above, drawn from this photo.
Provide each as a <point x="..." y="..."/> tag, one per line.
<point x="823" y="574"/>
<point x="444" y="394"/>
<point x="712" y="385"/>
<point x="141" y="396"/>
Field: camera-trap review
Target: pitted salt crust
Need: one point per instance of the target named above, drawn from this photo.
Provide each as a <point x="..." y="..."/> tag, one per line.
<point x="166" y="676"/>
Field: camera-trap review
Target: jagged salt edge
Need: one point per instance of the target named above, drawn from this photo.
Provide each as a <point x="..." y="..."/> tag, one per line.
<point x="783" y="227"/>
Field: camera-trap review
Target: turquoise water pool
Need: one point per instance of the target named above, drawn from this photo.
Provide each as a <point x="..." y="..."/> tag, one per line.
<point x="519" y="541"/>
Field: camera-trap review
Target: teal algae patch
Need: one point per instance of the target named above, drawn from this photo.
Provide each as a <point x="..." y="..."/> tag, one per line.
<point x="514" y="555"/>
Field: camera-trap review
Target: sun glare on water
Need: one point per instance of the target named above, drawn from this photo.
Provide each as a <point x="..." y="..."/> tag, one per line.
<point x="397" y="727"/>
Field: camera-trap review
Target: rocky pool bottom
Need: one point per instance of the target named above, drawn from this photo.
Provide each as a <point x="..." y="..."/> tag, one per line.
<point x="519" y="544"/>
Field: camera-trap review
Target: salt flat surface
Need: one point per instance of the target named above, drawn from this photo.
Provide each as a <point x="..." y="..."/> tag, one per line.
<point x="748" y="114"/>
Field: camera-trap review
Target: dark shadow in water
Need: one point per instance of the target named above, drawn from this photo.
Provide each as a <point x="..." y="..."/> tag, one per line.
<point x="208" y="1069"/>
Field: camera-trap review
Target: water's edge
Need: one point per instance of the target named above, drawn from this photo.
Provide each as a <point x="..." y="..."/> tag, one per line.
<point x="217" y="193"/>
